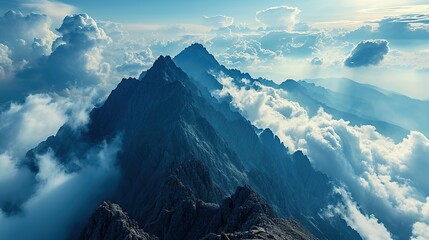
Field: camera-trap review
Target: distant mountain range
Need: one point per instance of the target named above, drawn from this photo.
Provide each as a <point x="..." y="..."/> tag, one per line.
<point x="371" y="102"/>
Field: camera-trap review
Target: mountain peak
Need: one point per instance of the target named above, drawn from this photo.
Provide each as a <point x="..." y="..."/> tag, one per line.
<point x="290" y="85"/>
<point x="197" y="54"/>
<point x="197" y="46"/>
<point x="163" y="64"/>
<point x="164" y="70"/>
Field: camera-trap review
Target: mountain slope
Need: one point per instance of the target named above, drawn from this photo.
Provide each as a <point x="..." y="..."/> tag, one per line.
<point x="180" y="148"/>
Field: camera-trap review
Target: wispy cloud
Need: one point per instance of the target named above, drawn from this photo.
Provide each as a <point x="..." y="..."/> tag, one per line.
<point x="218" y="21"/>
<point x="55" y="9"/>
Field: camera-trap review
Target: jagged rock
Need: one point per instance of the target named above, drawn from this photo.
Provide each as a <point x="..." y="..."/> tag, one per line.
<point x="109" y="222"/>
<point x="244" y="215"/>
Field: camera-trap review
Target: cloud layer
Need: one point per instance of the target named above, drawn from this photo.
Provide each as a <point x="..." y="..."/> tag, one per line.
<point x="386" y="180"/>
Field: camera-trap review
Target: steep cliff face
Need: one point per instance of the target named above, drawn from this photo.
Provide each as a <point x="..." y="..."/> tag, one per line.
<point x="183" y="152"/>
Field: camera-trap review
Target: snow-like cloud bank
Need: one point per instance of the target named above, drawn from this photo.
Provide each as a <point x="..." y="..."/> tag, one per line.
<point x="387" y="180"/>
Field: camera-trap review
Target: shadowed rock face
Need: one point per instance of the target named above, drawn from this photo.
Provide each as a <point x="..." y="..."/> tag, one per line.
<point x="244" y="215"/>
<point x="109" y="222"/>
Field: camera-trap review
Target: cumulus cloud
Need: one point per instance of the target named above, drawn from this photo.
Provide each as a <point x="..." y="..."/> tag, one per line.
<point x="27" y="36"/>
<point x="73" y="194"/>
<point x="218" y="21"/>
<point x="76" y="58"/>
<point x="245" y="52"/>
<point x="80" y="31"/>
<point x="420" y="231"/>
<point x="279" y="17"/>
<point x="387" y="180"/>
<point x="134" y="62"/>
<point x="368" y="52"/>
<point x="80" y="43"/>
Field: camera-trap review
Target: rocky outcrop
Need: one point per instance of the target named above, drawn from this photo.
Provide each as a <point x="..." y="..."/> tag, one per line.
<point x="244" y="215"/>
<point x="109" y="222"/>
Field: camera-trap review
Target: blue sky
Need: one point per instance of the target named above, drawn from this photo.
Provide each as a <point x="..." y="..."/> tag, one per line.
<point x="274" y="39"/>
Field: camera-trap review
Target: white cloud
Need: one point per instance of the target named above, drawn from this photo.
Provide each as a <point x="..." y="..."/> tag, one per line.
<point x="6" y="66"/>
<point x="279" y="17"/>
<point x="245" y="52"/>
<point x="82" y="39"/>
<point x="23" y="126"/>
<point x="134" y="63"/>
<point x="73" y="194"/>
<point x="27" y="36"/>
<point x="367" y="226"/>
<point x="219" y="21"/>
<point x="420" y="231"/>
<point x="386" y="179"/>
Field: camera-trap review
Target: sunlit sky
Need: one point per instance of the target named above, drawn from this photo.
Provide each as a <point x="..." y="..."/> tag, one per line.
<point x="272" y="38"/>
